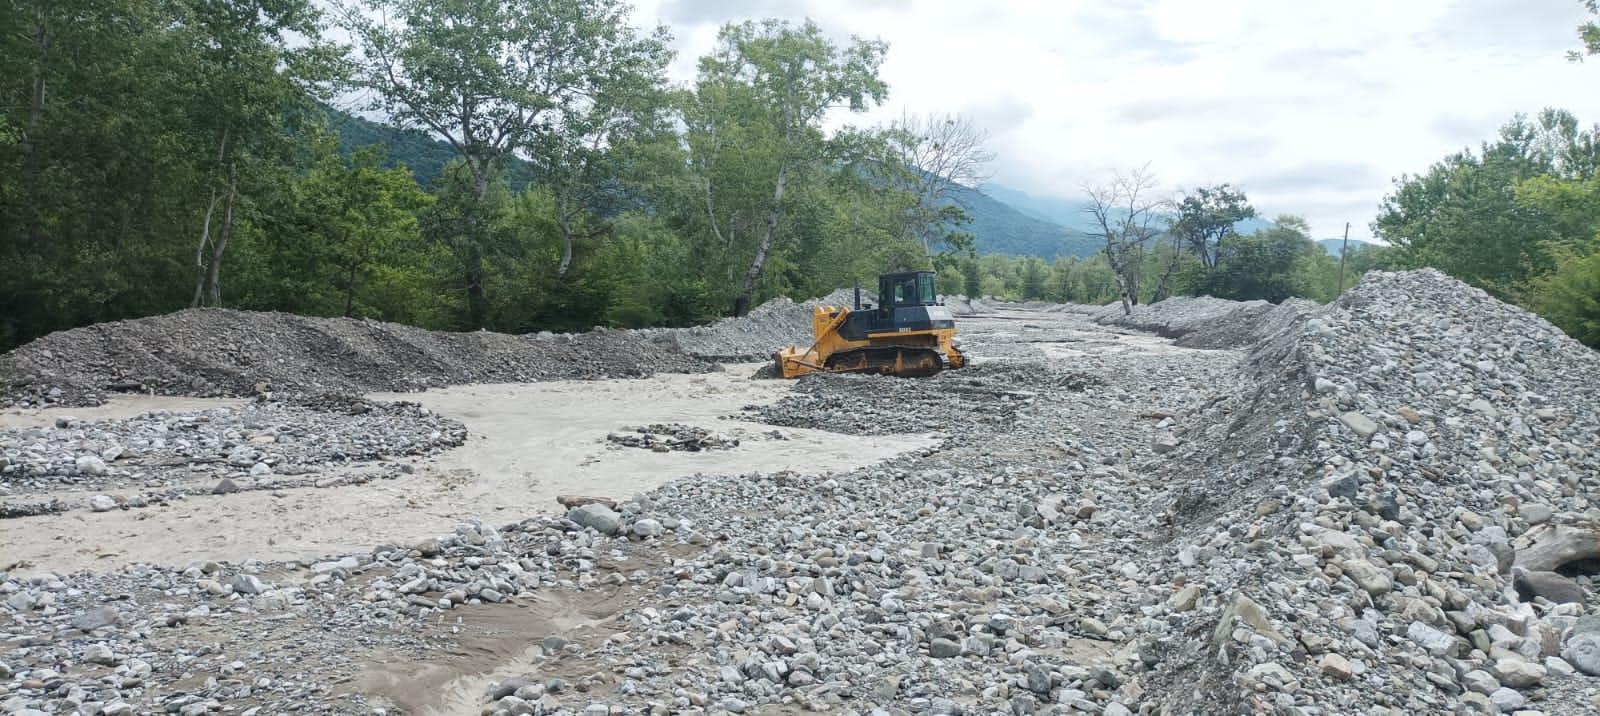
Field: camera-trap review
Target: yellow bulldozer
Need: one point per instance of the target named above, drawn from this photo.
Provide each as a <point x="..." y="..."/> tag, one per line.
<point x="909" y="334"/>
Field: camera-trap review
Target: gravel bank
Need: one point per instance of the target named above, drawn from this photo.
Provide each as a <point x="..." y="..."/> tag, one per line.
<point x="220" y="352"/>
<point x="1383" y="507"/>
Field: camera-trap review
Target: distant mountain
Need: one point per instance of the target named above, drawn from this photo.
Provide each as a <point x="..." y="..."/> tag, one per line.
<point x="1074" y="213"/>
<point x="1001" y="228"/>
<point x="1068" y="213"/>
<point x="418" y="151"/>
<point x="1335" y="246"/>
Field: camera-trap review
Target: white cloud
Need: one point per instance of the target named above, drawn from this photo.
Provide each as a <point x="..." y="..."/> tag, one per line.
<point x="1312" y="107"/>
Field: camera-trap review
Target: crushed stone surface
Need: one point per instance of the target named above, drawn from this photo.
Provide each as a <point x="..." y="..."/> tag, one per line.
<point x="221" y="352"/>
<point x="261" y="445"/>
<point x="1382" y="506"/>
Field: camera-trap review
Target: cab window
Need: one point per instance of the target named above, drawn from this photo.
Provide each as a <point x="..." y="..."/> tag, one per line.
<point x="925" y="292"/>
<point x="905" y="292"/>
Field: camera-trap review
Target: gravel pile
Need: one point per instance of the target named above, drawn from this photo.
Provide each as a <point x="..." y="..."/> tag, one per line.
<point x="755" y="336"/>
<point x="1394" y="518"/>
<point x="1246" y="326"/>
<point x="1179" y="316"/>
<point x="673" y="437"/>
<point x="220" y="352"/>
<point x="256" y="445"/>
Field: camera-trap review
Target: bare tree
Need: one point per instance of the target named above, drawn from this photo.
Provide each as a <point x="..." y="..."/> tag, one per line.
<point x="940" y="153"/>
<point x="1130" y="216"/>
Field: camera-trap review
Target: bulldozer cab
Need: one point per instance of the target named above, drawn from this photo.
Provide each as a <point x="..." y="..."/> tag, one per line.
<point x="908" y="288"/>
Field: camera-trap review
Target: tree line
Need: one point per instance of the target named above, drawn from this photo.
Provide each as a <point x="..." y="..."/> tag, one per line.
<point x="158" y="154"/>
<point x="1155" y="245"/>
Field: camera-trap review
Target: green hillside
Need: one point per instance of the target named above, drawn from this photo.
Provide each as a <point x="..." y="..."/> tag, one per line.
<point x="422" y="154"/>
<point x="1000" y="228"/>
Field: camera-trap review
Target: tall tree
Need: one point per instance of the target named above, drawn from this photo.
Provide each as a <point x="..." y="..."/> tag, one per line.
<point x="1462" y="215"/>
<point x="788" y="78"/>
<point x="1129" y="215"/>
<point x="256" y="63"/>
<point x="491" y="77"/>
<point x="937" y="156"/>
<point x="1207" y="216"/>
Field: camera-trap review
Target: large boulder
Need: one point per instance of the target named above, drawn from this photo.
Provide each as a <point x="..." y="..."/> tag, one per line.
<point x="598" y="517"/>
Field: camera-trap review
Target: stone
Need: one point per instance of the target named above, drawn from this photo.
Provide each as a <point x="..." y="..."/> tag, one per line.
<point x="1552" y="546"/>
<point x="1345" y="485"/>
<point x="91" y="465"/>
<point x="1507" y="700"/>
<point x="1434" y="641"/>
<point x="1165" y="444"/>
<point x="1582" y="651"/>
<point x="102" y="503"/>
<point x="96" y="618"/>
<point x="1370" y="577"/>
<point x="1362" y="425"/>
<point x="1536" y="513"/>
<point x="1480" y="681"/>
<point x="942" y="648"/>
<point x="1184" y="599"/>
<point x="596" y="516"/>
<point x="1549" y="585"/>
<point x="102" y="655"/>
<point x="225" y="487"/>
<point x="1517" y="673"/>
<point x="247" y="584"/>
<point x="1336" y="666"/>
<point x="647" y="528"/>
<point x="260" y="469"/>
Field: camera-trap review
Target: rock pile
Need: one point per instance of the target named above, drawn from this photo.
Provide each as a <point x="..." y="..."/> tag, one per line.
<point x="260" y="442"/>
<point x="1230" y="322"/>
<point x="219" y="352"/>
<point x="672" y="437"/>
<point x="1396" y="516"/>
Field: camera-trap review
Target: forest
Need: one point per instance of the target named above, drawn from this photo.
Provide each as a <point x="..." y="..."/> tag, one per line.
<point x="162" y="154"/>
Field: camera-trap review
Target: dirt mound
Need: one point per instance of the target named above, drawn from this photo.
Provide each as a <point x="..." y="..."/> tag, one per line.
<point x="1362" y="512"/>
<point x="220" y="352"/>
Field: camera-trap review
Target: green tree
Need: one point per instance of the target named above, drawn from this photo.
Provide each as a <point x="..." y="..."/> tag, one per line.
<point x="780" y="80"/>
<point x="1267" y="265"/>
<point x="135" y="127"/>
<point x="1463" y="216"/>
<point x="491" y="77"/>
<point x="1570" y="295"/>
<point x="1206" y="218"/>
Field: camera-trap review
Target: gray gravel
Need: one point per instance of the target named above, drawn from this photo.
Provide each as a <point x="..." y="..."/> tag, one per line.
<point x="220" y="352"/>
<point x="1370" y="511"/>
<point x="263" y="444"/>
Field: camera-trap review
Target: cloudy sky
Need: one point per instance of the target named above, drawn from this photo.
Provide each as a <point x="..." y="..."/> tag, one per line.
<point x="1312" y="107"/>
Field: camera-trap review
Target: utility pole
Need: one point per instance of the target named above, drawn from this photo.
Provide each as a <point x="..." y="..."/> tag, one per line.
<point x="1343" y="249"/>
